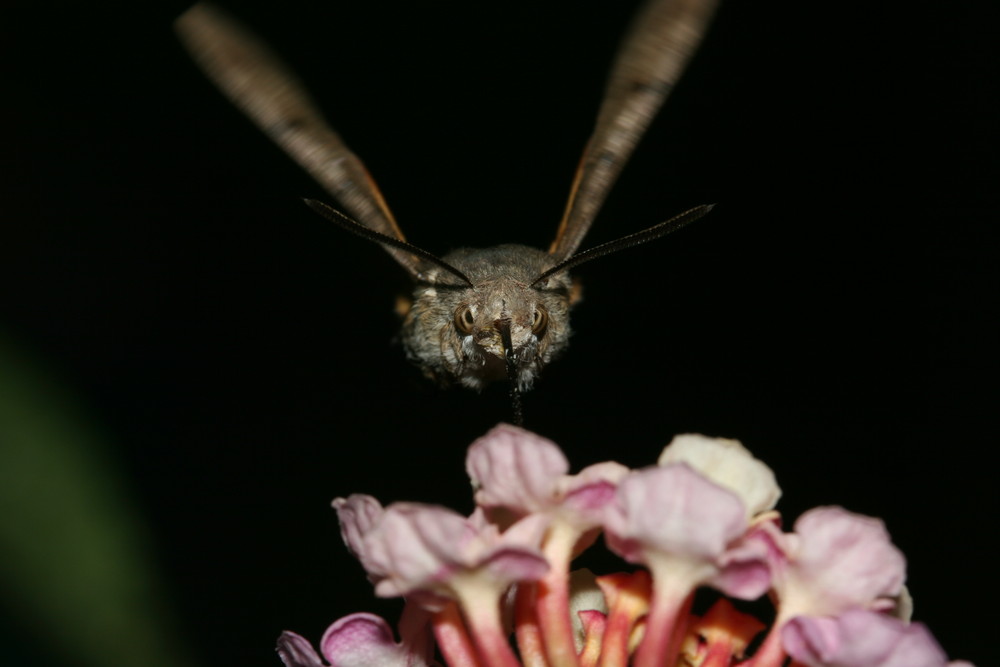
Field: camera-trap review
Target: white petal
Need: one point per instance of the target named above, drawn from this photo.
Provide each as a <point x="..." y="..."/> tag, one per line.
<point x="730" y="465"/>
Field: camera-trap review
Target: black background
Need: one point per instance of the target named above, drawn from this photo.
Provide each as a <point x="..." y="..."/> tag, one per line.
<point x="834" y="312"/>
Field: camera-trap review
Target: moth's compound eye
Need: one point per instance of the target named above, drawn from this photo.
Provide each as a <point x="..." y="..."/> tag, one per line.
<point x="540" y="322"/>
<point x="464" y="319"/>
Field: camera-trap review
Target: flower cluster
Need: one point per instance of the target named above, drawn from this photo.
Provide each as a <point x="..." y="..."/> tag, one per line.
<point x="495" y="588"/>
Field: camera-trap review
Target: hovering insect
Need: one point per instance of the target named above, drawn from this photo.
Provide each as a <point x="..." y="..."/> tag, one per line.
<point x="476" y="315"/>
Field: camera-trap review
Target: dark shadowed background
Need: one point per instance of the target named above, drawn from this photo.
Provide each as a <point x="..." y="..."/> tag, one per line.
<point x="235" y="352"/>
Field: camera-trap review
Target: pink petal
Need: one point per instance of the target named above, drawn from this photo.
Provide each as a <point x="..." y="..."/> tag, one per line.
<point x="674" y="510"/>
<point x="422" y="548"/>
<point x="609" y="472"/>
<point x="515" y="469"/>
<point x="515" y="565"/>
<point x="812" y="639"/>
<point x="837" y="560"/>
<point x="414" y="545"/>
<point x="585" y="494"/>
<point x="745" y="572"/>
<point x="358" y="514"/>
<point x="512" y="556"/>
<point x="363" y="640"/>
<point x="860" y="638"/>
<point x="295" y="651"/>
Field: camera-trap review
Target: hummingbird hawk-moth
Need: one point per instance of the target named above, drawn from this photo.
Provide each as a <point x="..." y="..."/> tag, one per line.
<point x="476" y="315"/>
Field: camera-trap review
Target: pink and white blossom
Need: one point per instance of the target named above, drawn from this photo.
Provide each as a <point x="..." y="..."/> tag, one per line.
<point x="516" y="471"/>
<point x="702" y="518"/>
<point x="835" y="560"/>
<point x="688" y="529"/>
<point x="429" y="549"/>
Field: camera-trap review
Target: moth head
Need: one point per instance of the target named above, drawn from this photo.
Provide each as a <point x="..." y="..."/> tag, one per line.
<point x="500" y="326"/>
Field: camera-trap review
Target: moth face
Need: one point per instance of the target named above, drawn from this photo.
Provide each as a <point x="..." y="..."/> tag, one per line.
<point x="455" y="333"/>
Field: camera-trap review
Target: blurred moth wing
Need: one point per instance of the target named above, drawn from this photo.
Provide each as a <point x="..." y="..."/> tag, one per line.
<point x="260" y="85"/>
<point x="475" y="315"/>
<point x="660" y="42"/>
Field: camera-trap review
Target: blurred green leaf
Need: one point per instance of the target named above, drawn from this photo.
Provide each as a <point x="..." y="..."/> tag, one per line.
<point x="75" y="576"/>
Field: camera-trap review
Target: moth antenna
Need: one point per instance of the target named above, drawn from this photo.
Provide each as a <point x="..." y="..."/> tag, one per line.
<point x="356" y="228"/>
<point x="508" y="352"/>
<point x="643" y="236"/>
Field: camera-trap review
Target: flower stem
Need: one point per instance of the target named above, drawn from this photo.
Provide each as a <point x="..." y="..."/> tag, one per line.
<point x="665" y="627"/>
<point x="614" y="647"/>
<point x="481" y="610"/>
<point x="552" y="598"/>
<point x="453" y="638"/>
<point x="529" y="635"/>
